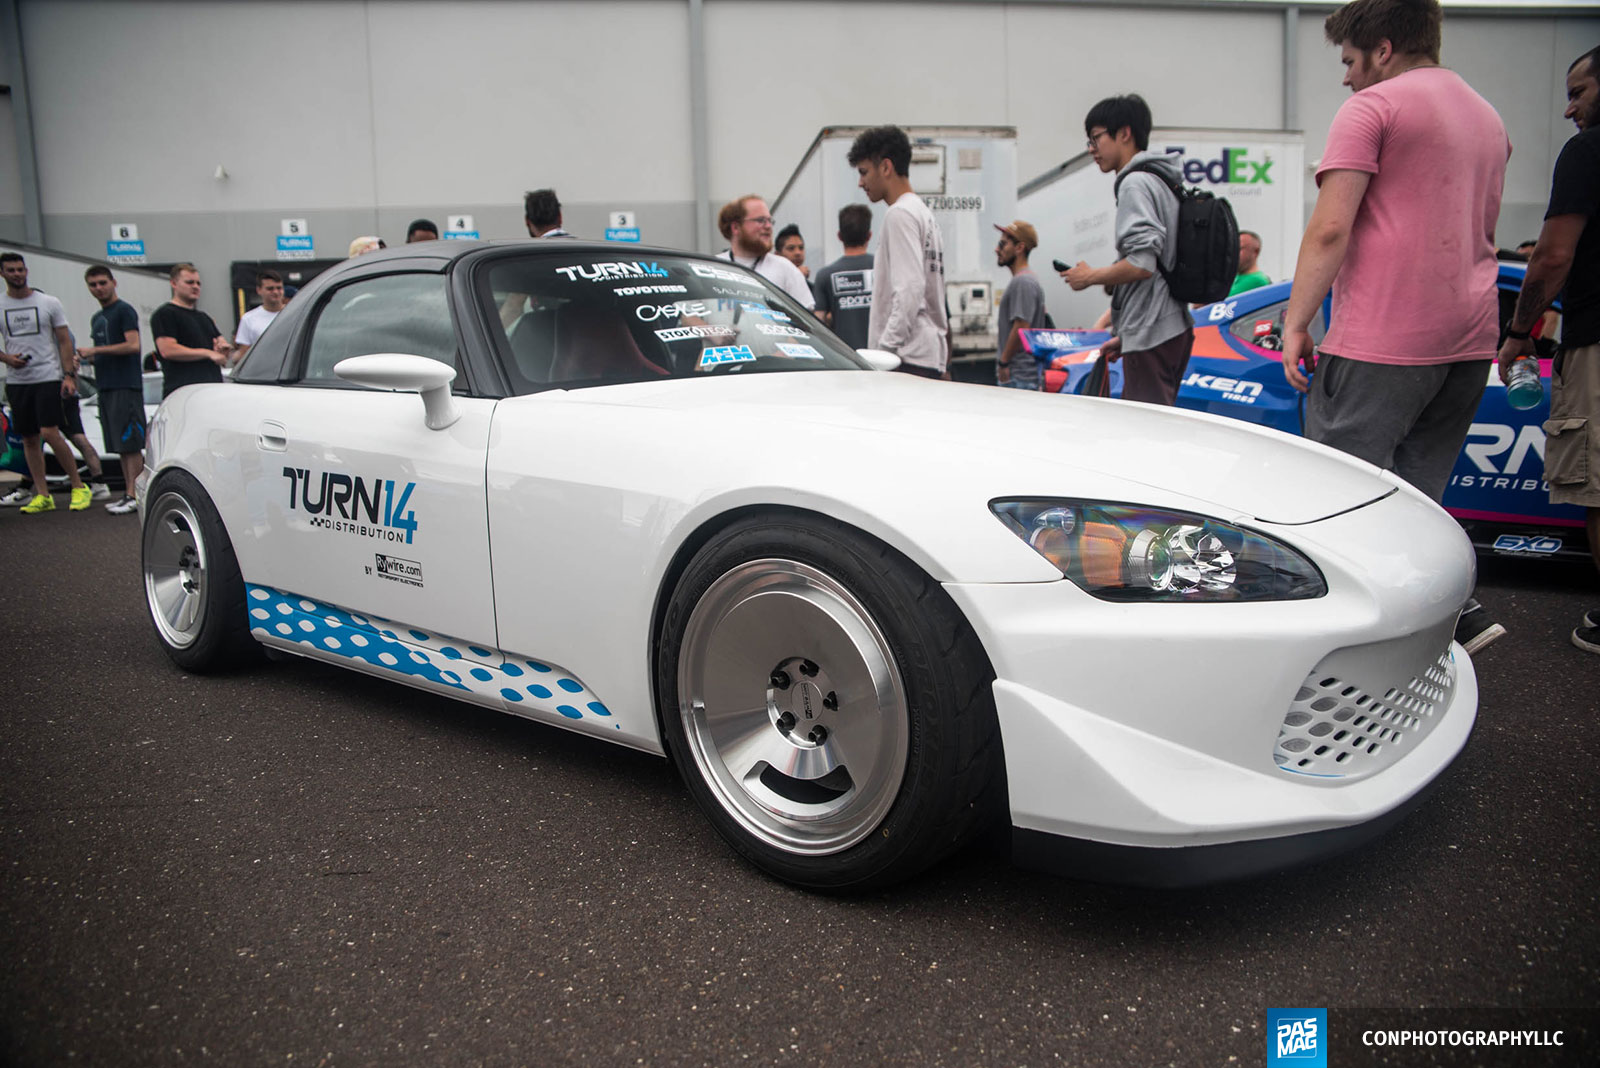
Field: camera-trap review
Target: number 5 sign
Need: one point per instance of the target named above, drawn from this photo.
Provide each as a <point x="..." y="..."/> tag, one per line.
<point x="295" y="228"/>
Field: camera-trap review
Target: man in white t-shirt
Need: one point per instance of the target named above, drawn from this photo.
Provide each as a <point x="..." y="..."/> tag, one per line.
<point x="908" y="317"/>
<point x="269" y="287"/>
<point x="42" y="367"/>
<point x="747" y="225"/>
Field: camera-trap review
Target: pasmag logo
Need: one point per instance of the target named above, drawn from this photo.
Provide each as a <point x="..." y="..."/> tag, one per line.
<point x="1297" y="1037"/>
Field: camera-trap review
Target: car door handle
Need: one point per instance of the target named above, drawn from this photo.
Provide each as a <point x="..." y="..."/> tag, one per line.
<point x="273" y="437"/>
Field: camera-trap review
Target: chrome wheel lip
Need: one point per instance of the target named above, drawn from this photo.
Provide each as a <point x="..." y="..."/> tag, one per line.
<point x="754" y="618"/>
<point x="175" y="570"/>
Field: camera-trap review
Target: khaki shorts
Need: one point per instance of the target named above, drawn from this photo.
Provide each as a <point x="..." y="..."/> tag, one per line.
<point x="1572" y="433"/>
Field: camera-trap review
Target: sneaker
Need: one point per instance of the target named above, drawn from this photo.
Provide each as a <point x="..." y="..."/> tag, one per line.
<point x="99" y="491"/>
<point x="1475" y="630"/>
<point x="42" y="502"/>
<point x="1587" y="638"/>
<point x="1591" y="618"/>
<point x="125" y="506"/>
<point x="81" y="497"/>
<point x="20" y="495"/>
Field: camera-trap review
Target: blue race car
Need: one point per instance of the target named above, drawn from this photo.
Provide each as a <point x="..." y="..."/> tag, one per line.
<point x="1497" y="490"/>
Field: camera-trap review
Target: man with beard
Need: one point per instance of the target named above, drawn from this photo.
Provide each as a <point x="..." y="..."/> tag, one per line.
<point x="1021" y="306"/>
<point x="1410" y="258"/>
<point x="1566" y="260"/>
<point x="746" y="223"/>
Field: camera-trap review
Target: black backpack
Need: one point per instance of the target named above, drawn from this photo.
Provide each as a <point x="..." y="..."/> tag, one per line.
<point x="1208" y="241"/>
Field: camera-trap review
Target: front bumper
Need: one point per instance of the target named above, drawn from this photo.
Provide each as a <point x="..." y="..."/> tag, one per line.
<point x="1171" y="744"/>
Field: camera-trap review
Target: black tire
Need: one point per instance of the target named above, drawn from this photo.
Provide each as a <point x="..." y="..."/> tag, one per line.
<point x="780" y="613"/>
<point x="193" y="588"/>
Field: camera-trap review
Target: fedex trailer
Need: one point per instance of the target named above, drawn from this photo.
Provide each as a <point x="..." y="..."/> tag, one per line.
<point x="968" y="177"/>
<point x="1260" y="172"/>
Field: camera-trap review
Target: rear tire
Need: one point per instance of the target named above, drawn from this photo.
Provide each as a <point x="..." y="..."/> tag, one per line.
<point x="828" y="706"/>
<point x="192" y="584"/>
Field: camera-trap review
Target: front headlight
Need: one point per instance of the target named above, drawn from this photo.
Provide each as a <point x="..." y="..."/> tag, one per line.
<point x="1123" y="552"/>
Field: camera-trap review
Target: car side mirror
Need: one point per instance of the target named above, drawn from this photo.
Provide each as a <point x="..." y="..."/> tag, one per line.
<point x="879" y="360"/>
<point x="405" y="373"/>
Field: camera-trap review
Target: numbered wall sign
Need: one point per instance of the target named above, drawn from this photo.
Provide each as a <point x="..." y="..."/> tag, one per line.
<point x="125" y="245"/>
<point x="624" y="226"/>
<point x="459" y="228"/>
<point x="295" y="241"/>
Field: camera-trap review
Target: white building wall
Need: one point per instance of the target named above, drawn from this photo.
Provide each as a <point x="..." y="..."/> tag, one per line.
<point x="359" y="116"/>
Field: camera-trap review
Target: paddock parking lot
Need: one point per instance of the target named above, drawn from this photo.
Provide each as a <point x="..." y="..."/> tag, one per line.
<point x="302" y="865"/>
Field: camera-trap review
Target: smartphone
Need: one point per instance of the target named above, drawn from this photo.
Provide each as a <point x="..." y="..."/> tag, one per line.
<point x="1058" y="265"/>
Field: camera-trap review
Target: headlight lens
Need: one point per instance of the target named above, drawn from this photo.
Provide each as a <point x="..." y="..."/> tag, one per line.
<point x="1122" y="552"/>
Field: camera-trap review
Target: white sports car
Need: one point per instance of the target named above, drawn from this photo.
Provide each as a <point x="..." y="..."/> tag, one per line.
<point x="644" y="496"/>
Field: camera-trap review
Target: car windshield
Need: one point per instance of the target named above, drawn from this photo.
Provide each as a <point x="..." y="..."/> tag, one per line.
<point x="596" y="318"/>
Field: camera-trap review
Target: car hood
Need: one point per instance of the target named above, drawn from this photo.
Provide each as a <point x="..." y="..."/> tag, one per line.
<point x="1242" y="469"/>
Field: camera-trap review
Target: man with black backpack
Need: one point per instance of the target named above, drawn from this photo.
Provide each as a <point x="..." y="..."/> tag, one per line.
<point x="1152" y="332"/>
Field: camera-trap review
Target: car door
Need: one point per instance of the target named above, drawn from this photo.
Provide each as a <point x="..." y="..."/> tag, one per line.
<point x="366" y="509"/>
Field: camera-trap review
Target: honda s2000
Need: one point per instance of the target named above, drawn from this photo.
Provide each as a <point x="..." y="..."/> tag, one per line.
<point x="868" y="616"/>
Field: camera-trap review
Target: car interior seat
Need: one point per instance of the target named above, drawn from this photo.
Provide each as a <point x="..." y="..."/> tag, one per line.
<point x="592" y="343"/>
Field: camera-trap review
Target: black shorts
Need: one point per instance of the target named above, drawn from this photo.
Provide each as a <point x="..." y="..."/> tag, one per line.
<point x="71" y="418"/>
<point x="122" y="420"/>
<point x="34" y="406"/>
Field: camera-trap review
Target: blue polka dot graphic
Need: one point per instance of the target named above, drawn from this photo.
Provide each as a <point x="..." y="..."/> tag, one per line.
<point x="432" y="659"/>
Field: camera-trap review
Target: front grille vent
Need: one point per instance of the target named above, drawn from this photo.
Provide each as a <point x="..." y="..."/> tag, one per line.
<point x="1335" y="730"/>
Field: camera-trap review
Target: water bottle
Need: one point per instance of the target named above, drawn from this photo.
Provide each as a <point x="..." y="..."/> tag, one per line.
<point x="1524" y="390"/>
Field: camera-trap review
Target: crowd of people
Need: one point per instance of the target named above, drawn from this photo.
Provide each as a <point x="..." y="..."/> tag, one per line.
<point x="1410" y="262"/>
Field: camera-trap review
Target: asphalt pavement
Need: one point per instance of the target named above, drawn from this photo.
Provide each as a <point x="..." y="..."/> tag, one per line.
<point x="300" y="865"/>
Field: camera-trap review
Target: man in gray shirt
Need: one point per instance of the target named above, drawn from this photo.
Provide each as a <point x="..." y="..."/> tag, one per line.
<point x="1152" y="331"/>
<point x="1021" y="306"/>
<point x="844" y="287"/>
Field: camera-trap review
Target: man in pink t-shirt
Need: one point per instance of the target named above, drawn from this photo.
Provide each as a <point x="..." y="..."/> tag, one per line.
<point x="1403" y="231"/>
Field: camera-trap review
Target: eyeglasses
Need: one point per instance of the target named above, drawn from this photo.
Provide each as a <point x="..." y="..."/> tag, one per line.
<point x="764" y="220"/>
<point x="1089" y="144"/>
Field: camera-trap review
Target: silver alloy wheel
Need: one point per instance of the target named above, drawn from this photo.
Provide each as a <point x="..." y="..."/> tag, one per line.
<point x="175" y="570"/>
<point x="793" y="706"/>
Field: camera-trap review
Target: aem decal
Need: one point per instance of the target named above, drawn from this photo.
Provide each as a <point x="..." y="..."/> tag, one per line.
<point x="338" y="502"/>
<point x="727" y="354"/>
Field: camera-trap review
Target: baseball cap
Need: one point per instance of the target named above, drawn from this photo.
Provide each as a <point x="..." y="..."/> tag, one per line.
<point x="1020" y="232"/>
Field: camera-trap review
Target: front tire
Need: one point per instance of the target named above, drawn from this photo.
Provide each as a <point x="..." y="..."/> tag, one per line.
<point x="192" y="583"/>
<point x="829" y="707"/>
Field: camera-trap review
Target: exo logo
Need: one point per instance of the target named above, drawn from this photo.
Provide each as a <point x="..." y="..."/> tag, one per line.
<point x="1528" y="441"/>
<point x="1521" y="543"/>
<point x="1233" y="167"/>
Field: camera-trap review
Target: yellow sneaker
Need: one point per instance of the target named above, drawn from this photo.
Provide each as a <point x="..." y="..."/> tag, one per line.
<point x="42" y="502"/>
<point x="82" y="497"/>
